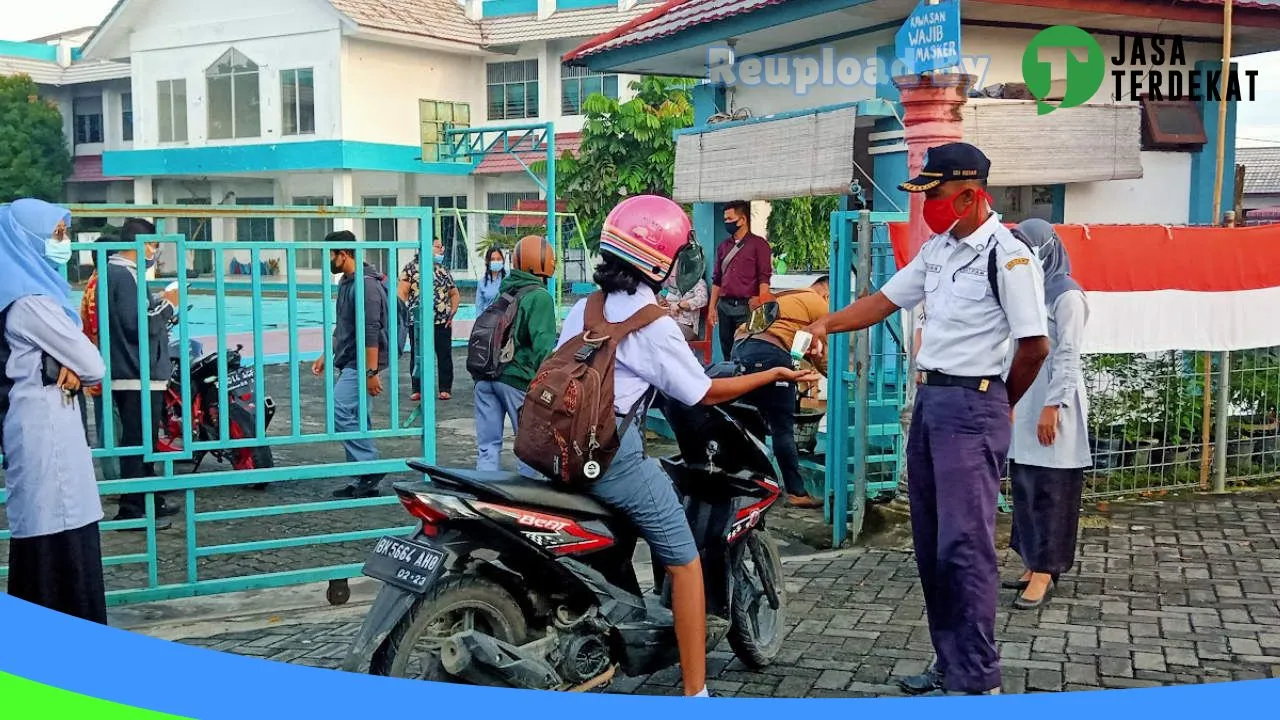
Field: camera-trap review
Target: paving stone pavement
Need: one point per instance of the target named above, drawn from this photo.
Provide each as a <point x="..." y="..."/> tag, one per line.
<point x="455" y="446"/>
<point x="1169" y="592"/>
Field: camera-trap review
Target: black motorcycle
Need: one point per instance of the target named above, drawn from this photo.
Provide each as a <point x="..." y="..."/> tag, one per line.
<point x="513" y="582"/>
<point x="206" y="404"/>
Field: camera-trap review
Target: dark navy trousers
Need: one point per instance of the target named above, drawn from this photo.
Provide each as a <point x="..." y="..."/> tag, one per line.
<point x="955" y="456"/>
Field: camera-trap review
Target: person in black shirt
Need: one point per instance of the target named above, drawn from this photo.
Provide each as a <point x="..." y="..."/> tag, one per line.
<point x="372" y="340"/>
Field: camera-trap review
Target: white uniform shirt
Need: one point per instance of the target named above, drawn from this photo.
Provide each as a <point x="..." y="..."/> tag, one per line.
<point x="968" y="331"/>
<point x="653" y="356"/>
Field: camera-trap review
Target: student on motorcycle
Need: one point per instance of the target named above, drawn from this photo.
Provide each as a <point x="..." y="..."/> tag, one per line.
<point x="639" y="243"/>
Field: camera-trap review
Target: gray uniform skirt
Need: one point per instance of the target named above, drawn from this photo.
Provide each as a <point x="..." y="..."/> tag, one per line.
<point x="1046" y="516"/>
<point x="62" y="572"/>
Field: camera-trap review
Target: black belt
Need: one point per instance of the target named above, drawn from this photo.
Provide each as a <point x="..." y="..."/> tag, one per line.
<point x="937" y="379"/>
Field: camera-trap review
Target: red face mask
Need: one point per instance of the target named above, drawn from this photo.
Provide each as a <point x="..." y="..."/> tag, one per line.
<point x="940" y="214"/>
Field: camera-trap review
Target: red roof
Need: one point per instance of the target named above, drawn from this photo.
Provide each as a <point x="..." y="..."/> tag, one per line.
<point x="88" y="168"/>
<point x="676" y="16"/>
<point x="667" y="19"/>
<point x="530" y="221"/>
<point x="497" y="162"/>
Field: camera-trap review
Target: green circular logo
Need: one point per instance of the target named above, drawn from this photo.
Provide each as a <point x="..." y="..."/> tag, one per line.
<point x="1083" y="78"/>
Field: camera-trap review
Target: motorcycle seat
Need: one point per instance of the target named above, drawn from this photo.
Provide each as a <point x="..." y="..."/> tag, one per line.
<point x="512" y="487"/>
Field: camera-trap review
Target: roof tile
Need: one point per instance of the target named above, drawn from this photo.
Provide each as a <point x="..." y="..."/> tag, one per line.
<point x="439" y="19"/>
<point x="504" y="162"/>
<point x="1262" y="169"/>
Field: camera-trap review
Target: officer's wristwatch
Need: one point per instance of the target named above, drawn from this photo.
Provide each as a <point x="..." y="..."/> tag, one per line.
<point x="371" y="373"/>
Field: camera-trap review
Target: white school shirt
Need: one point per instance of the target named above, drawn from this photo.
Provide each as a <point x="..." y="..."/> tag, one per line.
<point x="653" y="356"/>
<point x="968" y="331"/>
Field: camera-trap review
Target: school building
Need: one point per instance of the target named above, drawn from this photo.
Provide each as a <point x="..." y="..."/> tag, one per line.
<point x="302" y="102"/>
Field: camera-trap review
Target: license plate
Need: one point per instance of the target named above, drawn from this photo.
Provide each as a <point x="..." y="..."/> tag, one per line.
<point x="239" y="378"/>
<point x="406" y="564"/>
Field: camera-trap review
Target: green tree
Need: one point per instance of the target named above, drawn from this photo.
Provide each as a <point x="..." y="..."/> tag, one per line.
<point x="800" y="232"/>
<point x="34" y="161"/>
<point x="628" y="148"/>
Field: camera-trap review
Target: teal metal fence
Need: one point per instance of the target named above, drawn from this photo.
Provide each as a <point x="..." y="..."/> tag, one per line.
<point x="177" y="563"/>
<point x="867" y="378"/>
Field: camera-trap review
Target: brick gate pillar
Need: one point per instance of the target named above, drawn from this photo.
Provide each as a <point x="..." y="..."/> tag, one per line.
<point x="931" y="114"/>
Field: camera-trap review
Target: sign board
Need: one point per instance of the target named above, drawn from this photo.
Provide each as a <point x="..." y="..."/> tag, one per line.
<point x="930" y="38"/>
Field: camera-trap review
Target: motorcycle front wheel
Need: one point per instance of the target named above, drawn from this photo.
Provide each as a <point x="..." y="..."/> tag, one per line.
<point x="757" y="627"/>
<point x="456" y="604"/>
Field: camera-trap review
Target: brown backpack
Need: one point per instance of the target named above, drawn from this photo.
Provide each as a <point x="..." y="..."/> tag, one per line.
<point x="568" y="430"/>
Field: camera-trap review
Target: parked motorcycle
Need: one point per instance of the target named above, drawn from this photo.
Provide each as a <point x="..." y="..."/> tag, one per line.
<point x="207" y="403"/>
<point x="514" y="582"/>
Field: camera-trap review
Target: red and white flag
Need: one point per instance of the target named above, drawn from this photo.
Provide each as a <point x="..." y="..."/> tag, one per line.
<point x="1154" y="288"/>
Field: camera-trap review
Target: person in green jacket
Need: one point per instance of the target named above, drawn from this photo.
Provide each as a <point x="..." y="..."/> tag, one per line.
<point x="534" y="333"/>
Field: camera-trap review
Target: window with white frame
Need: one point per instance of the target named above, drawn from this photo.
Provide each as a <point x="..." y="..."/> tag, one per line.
<point x="451" y="228"/>
<point x="513" y="89"/>
<point x="233" y="97"/>
<point x="87" y="119"/>
<point x="126" y="117"/>
<point x="255" y="229"/>
<point x="579" y="83"/>
<point x="298" y="102"/>
<point x="312" y="230"/>
<point x="197" y="229"/>
<point x="379" y="229"/>
<point x="507" y="201"/>
<point x="171" y="107"/>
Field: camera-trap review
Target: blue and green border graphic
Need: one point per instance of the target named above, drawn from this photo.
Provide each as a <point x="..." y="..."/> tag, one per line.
<point x="53" y="666"/>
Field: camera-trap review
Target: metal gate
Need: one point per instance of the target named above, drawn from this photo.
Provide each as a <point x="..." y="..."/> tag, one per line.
<point x="867" y="374"/>
<point x="226" y="538"/>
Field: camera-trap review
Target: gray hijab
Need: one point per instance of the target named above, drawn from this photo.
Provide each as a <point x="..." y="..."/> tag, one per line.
<point x="1045" y="243"/>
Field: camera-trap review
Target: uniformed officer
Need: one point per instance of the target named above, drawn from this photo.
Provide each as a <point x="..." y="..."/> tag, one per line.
<point x="960" y="425"/>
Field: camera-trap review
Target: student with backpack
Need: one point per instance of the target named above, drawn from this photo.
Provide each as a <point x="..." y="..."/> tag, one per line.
<point x="583" y="417"/>
<point x="509" y="340"/>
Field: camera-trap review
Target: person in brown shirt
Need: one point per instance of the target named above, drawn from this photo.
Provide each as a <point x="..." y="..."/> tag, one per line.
<point x="740" y="280"/>
<point x="771" y="348"/>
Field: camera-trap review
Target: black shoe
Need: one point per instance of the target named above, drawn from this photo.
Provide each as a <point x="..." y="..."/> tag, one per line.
<point x="940" y="692"/>
<point x="161" y="524"/>
<point x="257" y="486"/>
<point x="1021" y="603"/>
<point x="356" y="492"/>
<point x="928" y="681"/>
<point x="166" y="508"/>
<point x="1018" y="584"/>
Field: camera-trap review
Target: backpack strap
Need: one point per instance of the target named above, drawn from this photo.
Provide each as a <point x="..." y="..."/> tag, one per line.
<point x="992" y="278"/>
<point x="594" y="320"/>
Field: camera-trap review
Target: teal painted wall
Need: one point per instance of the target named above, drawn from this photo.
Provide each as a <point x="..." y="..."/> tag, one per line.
<point x="268" y="157"/>
<point x="1203" y="163"/>
<point x="33" y="51"/>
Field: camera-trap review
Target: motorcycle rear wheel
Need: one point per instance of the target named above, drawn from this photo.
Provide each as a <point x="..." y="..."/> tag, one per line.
<point x="457" y="603"/>
<point x="757" y="629"/>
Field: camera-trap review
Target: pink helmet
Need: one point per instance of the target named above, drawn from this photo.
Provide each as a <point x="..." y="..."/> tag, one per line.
<point x="646" y="231"/>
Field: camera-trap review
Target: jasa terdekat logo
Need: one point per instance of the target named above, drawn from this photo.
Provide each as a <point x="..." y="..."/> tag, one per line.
<point x="1152" y="66"/>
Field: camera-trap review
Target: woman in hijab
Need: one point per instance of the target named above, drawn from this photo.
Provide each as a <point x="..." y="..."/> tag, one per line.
<point x="55" y="556"/>
<point x="1049" y="450"/>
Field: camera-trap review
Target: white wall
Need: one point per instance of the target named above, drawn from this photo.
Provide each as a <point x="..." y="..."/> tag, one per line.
<point x="767" y="99"/>
<point x="176" y="43"/>
<point x="1261" y="200"/>
<point x="1162" y="195"/>
<point x="382" y="84"/>
<point x="1005" y="47"/>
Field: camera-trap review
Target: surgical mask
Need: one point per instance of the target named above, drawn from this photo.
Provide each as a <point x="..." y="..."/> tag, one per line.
<point x="940" y="214"/>
<point x="495" y="266"/>
<point x="336" y="268"/>
<point x="439" y="259"/>
<point x="57" y="251"/>
<point x="731" y="227"/>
